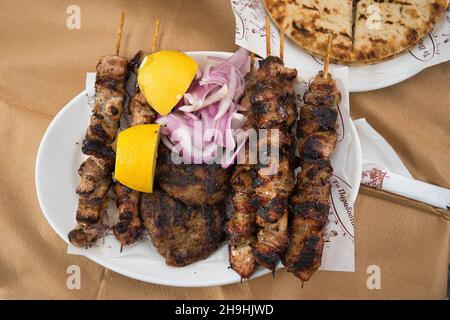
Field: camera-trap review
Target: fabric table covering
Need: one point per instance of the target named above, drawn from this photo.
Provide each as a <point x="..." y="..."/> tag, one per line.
<point x="43" y="66"/>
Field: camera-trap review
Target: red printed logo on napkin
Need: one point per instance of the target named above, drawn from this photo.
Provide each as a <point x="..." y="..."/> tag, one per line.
<point x="373" y="178"/>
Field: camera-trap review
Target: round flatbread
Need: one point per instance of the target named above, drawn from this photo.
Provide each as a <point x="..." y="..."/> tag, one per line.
<point x="364" y="31"/>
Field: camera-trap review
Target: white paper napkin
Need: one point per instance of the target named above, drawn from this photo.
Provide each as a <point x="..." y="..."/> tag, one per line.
<point x="383" y="169"/>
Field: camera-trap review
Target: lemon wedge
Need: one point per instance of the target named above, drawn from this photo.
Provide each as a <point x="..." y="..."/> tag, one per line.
<point x="164" y="78"/>
<point x="137" y="149"/>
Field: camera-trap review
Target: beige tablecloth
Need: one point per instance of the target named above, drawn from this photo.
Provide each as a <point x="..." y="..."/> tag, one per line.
<point x="43" y="65"/>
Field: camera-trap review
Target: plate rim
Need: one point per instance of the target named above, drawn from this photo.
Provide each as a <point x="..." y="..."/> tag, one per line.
<point x="392" y="79"/>
<point x="106" y="262"/>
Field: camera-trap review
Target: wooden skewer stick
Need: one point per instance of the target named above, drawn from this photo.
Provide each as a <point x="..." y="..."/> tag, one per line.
<point x="252" y="61"/>
<point x="119" y="33"/>
<point x="156" y="34"/>
<point x="267" y="36"/>
<point x="282" y="43"/>
<point x="327" y="56"/>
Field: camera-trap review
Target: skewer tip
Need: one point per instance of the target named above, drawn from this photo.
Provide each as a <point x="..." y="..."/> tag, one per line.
<point x="119" y="33"/>
<point x="267" y="36"/>
<point x="156" y="34"/>
<point x="282" y="29"/>
<point x="252" y="61"/>
<point x="327" y="56"/>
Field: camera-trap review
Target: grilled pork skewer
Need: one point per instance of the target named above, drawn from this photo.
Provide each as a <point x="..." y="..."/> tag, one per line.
<point x="130" y="227"/>
<point x="95" y="172"/>
<point x="271" y="99"/>
<point x="273" y="103"/>
<point x="241" y="227"/>
<point x="317" y="137"/>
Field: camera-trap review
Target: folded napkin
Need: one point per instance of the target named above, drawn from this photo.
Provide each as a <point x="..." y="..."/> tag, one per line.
<point x="383" y="169"/>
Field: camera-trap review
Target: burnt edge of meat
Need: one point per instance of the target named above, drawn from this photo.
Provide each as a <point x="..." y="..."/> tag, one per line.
<point x="311" y="150"/>
<point x="323" y="117"/>
<point x="268" y="258"/>
<point x="98" y="149"/>
<point x="277" y="205"/>
<point x="109" y="82"/>
<point x="313" y="246"/>
<point x="312" y="210"/>
<point x="136" y="61"/>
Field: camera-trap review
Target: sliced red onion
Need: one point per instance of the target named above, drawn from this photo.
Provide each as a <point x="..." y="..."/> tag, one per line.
<point x="225" y="66"/>
<point x="191" y="116"/>
<point x="199" y="129"/>
<point x="228" y="99"/>
<point x="237" y="120"/>
<point x="200" y="103"/>
<point x="230" y="144"/>
<point x="239" y="59"/>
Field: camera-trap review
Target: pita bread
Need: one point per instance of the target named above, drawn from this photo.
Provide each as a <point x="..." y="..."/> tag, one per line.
<point x="308" y="22"/>
<point x="364" y="31"/>
<point x="391" y="27"/>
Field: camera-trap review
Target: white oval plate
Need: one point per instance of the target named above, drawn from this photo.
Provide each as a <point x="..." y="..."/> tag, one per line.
<point x="58" y="159"/>
<point x="359" y="83"/>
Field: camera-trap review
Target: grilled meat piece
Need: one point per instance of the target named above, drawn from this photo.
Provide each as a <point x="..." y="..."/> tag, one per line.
<point x="303" y="256"/>
<point x="316" y="118"/>
<point x="241" y="228"/>
<point x="309" y="206"/>
<point x="90" y="206"/>
<point x="108" y="106"/>
<point x="84" y="236"/>
<point x="141" y="112"/>
<point x="273" y="102"/>
<point x="272" y="242"/>
<point x="181" y="234"/>
<point x="95" y="172"/>
<point x="313" y="181"/>
<point x="316" y="146"/>
<point x="129" y="228"/>
<point x="91" y="171"/>
<point x="322" y="92"/>
<point x="193" y="184"/>
<point x="273" y="95"/>
<point x="272" y="191"/>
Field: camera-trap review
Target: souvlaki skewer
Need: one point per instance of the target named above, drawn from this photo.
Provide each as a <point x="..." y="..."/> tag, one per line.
<point x="95" y="172"/>
<point x="316" y="133"/>
<point x="258" y="230"/>
<point x="273" y="103"/>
